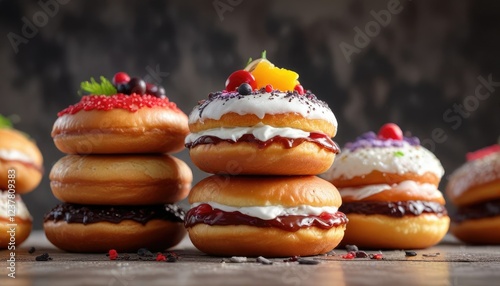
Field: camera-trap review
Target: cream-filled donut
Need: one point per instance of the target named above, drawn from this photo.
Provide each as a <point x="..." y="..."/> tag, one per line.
<point x="15" y="221"/>
<point x="388" y="185"/>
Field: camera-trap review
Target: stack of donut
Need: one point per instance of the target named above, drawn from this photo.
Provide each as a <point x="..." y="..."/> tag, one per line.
<point x="265" y="147"/>
<point x="21" y="171"/>
<point x="388" y="185"/>
<point x="475" y="189"/>
<point x="118" y="183"/>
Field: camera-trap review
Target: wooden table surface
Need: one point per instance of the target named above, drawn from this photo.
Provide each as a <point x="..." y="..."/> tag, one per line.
<point x="456" y="264"/>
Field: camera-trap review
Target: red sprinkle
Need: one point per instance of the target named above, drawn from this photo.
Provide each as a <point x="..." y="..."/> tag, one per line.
<point x="160" y="257"/>
<point x="349" y="255"/>
<point x="377" y="256"/>
<point x="299" y="89"/>
<point x="269" y="88"/>
<point x="131" y="103"/>
<point x="113" y="255"/>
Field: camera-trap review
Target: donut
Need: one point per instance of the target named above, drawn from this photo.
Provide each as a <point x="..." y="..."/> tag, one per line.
<point x="120" y="179"/>
<point x="80" y="228"/>
<point x="15" y="221"/>
<point x="474" y="189"/>
<point x="21" y="159"/>
<point x="273" y="216"/>
<point x="389" y="188"/>
<point x="262" y="132"/>
<point x="120" y="124"/>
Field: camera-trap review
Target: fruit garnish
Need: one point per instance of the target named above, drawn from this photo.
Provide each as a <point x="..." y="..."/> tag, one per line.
<point x="120" y="78"/>
<point x="245" y="89"/>
<point x="299" y="89"/>
<point x="269" y="88"/>
<point x="390" y="131"/>
<point x="266" y="73"/>
<point x="237" y="78"/>
<point x="5" y="122"/>
<point x="482" y="152"/>
<point x="105" y="87"/>
<point x="137" y="85"/>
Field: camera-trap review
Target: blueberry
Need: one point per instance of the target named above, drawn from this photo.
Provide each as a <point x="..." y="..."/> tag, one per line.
<point x="245" y="89"/>
<point x="137" y="85"/>
<point x="123" y="88"/>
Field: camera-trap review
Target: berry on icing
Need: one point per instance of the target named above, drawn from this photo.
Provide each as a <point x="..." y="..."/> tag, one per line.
<point x="482" y="152"/>
<point x="390" y="131"/>
<point x="239" y="77"/>
<point x="371" y="140"/>
<point x="131" y="103"/>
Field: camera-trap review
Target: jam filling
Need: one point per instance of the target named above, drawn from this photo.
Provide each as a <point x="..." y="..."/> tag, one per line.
<point x="319" y="139"/>
<point x="131" y="103"/>
<point x="205" y="214"/>
<point x="28" y="165"/>
<point x="394" y="209"/>
<point x="87" y="214"/>
<point x="477" y="211"/>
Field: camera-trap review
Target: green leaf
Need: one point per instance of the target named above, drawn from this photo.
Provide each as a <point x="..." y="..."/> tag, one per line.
<point x="5" y="122"/>
<point x="264" y="52"/>
<point x="399" y="154"/>
<point x="249" y="61"/>
<point x="93" y="87"/>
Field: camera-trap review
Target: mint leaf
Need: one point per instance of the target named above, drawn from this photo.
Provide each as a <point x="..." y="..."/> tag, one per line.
<point x="264" y="52"/>
<point x="5" y="122"/>
<point x="399" y="154"/>
<point x="93" y="87"/>
<point x="249" y="61"/>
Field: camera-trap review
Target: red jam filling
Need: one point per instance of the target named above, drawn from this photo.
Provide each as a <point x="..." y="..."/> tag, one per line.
<point x="205" y="214"/>
<point x="319" y="139"/>
<point x="131" y="103"/>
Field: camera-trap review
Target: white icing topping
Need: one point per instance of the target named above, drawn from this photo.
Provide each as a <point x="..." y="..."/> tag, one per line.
<point x="261" y="132"/>
<point x="271" y="212"/>
<point x="360" y="193"/>
<point x="15" y="155"/>
<point x="20" y="208"/>
<point x="261" y="104"/>
<point x="396" y="160"/>
<point x="475" y="173"/>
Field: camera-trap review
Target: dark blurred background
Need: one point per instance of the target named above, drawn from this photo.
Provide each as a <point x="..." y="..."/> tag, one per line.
<point x="422" y="64"/>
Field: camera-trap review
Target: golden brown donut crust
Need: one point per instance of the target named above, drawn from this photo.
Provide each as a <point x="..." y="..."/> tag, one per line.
<point x="292" y="120"/>
<point x="271" y="242"/>
<point x="287" y="191"/>
<point x="377" y="177"/>
<point x="476" y="194"/>
<point x="120" y="179"/>
<point x="478" y="231"/>
<point x="384" y="232"/>
<point x="393" y="195"/>
<point x="126" y="236"/>
<point x="23" y="230"/>
<point x="28" y="176"/>
<point x="247" y="158"/>
<point x="148" y="130"/>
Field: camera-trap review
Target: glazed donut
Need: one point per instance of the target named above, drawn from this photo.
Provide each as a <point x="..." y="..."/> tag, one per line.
<point x="20" y="154"/>
<point x="120" y="179"/>
<point x="77" y="228"/>
<point x="120" y="124"/>
<point x="271" y="133"/>
<point x="271" y="216"/>
<point x="388" y="185"/>
<point x="17" y="231"/>
<point x="475" y="189"/>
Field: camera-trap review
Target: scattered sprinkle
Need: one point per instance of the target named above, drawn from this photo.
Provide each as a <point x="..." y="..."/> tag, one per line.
<point x="264" y="260"/>
<point x="307" y="261"/>
<point x="32" y="250"/>
<point x="410" y="253"/>
<point x="292" y="259"/>
<point x="43" y="257"/>
<point x="361" y="254"/>
<point x="431" y="254"/>
<point x="160" y="257"/>
<point x="113" y="254"/>
<point x="144" y="252"/>
<point x="350" y="248"/>
<point x="349" y="255"/>
<point x="377" y="256"/>
<point x="238" y="259"/>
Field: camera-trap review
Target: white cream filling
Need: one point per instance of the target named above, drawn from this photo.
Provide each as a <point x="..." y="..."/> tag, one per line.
<point x="396" y="160"/>
<point x="261" y="132"/>
<point x="15" y="155"/>
<point x="262" y="104"/>
<point x="17" y="205"/>
<point x="360" y="193"/>
<point x="271" y="212"/>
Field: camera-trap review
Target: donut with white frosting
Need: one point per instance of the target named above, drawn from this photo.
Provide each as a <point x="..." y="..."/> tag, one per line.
<point x="389" y="188"/>
<point x="475" y="189"/>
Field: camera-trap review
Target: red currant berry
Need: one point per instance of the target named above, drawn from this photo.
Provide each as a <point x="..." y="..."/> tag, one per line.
<point x="120" y="78"/>
<point x="239" y="77"/>
<point x="269" y="88"/>
<point x="390" y="131"/>
<point x="298" y="88"/>
<point x="112" y="254"/>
